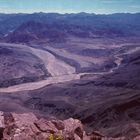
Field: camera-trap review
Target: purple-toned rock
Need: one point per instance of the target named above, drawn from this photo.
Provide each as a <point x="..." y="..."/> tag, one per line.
<point x="22" y="120"/>
<point x="74" y="126"/>
<point x="58" y="124"/>
<point x="28" y="127"/>
<point x="2" y="125"/>
<point x="46" y="126"/>
<point x="137" y="138"/>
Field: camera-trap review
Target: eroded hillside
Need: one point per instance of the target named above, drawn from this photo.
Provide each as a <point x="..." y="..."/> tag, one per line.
<point x="85" y="70"/>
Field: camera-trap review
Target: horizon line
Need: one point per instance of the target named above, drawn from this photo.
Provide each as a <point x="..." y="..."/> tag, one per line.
<point x="69" y="13"/>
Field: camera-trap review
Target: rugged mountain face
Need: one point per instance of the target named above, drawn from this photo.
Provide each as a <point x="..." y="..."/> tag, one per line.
<point x="33" y="30"/>
<point x="57" y="27"/>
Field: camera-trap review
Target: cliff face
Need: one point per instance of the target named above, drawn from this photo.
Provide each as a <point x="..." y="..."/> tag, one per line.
<point x="28" y="127"/>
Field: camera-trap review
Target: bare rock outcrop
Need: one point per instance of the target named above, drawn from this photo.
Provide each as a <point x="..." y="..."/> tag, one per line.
<point x="28" y="127"/>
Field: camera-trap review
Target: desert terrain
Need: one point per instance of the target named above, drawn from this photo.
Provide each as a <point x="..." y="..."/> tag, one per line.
<point x="85" y="70"/>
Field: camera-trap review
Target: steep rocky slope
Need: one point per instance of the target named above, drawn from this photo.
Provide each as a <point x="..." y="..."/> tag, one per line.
<point x="28" y="127"/>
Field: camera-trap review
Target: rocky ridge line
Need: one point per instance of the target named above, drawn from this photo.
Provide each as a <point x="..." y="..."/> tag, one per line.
<point x="28" y="127"/>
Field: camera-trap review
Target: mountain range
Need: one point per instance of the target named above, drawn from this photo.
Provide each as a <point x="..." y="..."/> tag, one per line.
<point x="28" y="27"/>
<point x="60" y="66"/>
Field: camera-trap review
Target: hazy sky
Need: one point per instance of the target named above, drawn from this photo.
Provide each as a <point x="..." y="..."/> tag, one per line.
<point x="70" y="6"/>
